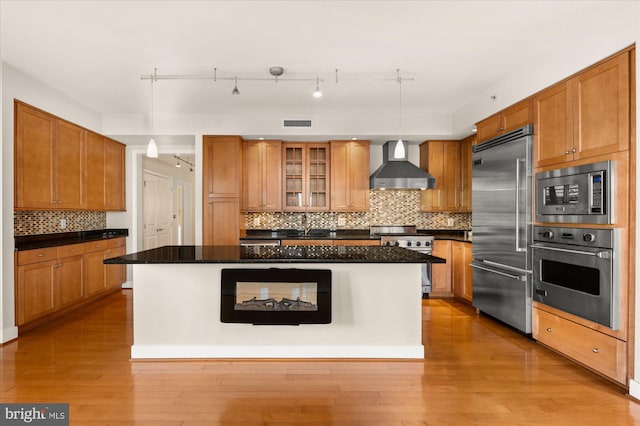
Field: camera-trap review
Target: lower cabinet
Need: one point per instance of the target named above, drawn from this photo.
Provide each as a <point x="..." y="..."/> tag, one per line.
<point x="441" y="272"/>
<point x="595" y="350"/>
<point x="461" y="270"/>
<point x="49" y="281"/>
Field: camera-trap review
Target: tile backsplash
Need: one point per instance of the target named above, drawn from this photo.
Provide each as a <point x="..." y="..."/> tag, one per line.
<point x="32" y="222"/>
<point x="390" y="207"/>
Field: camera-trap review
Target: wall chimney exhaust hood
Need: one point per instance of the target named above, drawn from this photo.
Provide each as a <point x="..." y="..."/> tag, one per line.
<point x="396" y="172"/>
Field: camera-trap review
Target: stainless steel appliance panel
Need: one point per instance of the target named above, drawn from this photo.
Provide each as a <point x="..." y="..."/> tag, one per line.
<point x="502" y="203"/>
<point x="576" y="270"/>
<point x="579" y="194"/>
<point x="504" y="294"/>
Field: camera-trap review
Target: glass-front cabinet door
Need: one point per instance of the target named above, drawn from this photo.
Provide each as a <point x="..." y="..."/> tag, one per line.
<point x="306" y="176"/>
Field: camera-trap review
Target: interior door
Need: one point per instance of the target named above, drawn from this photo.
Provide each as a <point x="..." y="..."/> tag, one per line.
<point x="157" y="210"/>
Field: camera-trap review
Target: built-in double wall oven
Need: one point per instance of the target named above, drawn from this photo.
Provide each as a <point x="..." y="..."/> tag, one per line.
<point x="576" y="269"/>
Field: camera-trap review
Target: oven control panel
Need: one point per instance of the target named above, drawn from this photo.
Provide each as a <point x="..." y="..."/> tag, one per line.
<point x="574" y="236"/>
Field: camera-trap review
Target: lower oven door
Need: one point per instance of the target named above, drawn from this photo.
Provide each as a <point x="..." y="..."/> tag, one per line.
<point x="579" y="280"/>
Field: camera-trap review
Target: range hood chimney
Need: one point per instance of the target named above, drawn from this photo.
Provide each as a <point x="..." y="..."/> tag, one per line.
<point x="396" y="172"/>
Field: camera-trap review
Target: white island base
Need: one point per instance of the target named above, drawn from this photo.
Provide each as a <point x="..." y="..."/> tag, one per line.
<point x="376" y="313"/>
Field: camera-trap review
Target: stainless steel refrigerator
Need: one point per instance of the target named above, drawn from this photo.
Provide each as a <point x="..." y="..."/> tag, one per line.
<point x="502" y="227"/>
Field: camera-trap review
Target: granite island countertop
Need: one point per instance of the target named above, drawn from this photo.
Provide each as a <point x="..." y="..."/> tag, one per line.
<point x="274" y="254"/>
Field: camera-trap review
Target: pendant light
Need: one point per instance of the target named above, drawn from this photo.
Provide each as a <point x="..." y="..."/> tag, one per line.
<point x="317" y="93"/>
<point x="152" y="148"/>
<point x="399" y="151"/>
<point x="235" y="90"/>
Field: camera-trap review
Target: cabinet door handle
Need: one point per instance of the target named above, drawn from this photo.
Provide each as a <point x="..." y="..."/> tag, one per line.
<point x="567" y="152"/>
<point x="40" y="254"/>
<point x="574" y="150"/>
<point x="595" y="350"/>
<point x="549" y="329"/>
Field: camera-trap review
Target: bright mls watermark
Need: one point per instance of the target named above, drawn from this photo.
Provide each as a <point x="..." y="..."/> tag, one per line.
<point x="36" y="414"/>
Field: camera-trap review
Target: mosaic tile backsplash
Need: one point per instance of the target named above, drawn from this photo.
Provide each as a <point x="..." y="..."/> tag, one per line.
<point x="391" y="207"/>
<point x="33" y="222"/>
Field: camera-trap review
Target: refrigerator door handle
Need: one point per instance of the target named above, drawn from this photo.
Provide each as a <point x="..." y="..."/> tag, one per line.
<point x="518" y="227"/>
<point x="512" y="276"/>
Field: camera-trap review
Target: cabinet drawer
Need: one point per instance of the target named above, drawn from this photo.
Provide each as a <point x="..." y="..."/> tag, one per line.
<point x="598" y="351"/>
<point x="33" y="256"/>
<point x="70" y="250"/>
<point x="96" y="246"/>
<point x="115" y="242"/>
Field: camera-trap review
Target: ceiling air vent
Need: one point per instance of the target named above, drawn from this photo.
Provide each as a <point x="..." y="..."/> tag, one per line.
<point x="297" y="123"/>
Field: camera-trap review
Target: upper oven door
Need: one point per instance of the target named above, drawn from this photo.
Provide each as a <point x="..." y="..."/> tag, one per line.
<point x="580" y="194"/>
<point x="578" y="280"/>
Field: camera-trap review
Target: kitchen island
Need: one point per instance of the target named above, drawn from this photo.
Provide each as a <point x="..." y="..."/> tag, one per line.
<point x="375" y="302"/>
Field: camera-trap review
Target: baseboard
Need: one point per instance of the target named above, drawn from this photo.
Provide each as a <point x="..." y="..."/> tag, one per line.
<point x="9" y="334"/>
<point x="634" y="389"/>
<point x="127" y="284"/>
<point x="277" y="351"/>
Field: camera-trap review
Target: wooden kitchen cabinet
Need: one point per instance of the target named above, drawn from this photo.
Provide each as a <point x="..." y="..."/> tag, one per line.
<point x="444" y="161"/>
<point x="51" y="281"/>
<point x="466" y="172"/>
<point x="114" y="175"/>
<point x="69" y="167"/>
<point x="95" y="171"/>
<point x="262" y="176"/>
<point x="597" y="351"/>
<point x="508" y="119"/>
<point x="115" y="275"/>
<point x="441" y="272"/>
<point x="461" y="270"/>
<point x="306" y="177"/>
<point x="48" y="161"/>
<point x="350" y="175"/>
<point x="36" y="285"/>
<point x="584" y="116"/>
<point x="61" y="166"/>
<point x="222" y="178"/>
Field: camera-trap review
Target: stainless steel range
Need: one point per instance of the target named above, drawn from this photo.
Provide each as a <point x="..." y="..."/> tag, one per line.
<point x="407" y="237"/>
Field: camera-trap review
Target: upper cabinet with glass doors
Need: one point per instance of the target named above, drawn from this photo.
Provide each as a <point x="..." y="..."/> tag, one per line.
<point x="306" y="177"/>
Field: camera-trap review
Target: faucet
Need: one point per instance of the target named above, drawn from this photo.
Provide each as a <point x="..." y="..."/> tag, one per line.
<point x="306" y="224"/>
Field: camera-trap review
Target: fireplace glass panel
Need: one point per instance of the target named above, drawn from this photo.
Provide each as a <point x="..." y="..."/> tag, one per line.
<point x="261" y="296"/>
<point x="276" y="296"/>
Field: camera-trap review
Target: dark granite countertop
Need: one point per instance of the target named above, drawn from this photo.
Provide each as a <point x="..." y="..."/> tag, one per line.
<point x="345" y="234"/>
<point x="274" y="254"/>
<point x="31" y="242"/>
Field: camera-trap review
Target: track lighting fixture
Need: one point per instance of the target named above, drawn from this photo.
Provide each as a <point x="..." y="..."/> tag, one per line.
<point x="182" y="160"/>
<point x="276" y="73"/>
<point x="317" y="93"/>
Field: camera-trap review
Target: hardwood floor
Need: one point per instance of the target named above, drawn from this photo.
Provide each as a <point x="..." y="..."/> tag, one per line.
<point x="476" y="372"/>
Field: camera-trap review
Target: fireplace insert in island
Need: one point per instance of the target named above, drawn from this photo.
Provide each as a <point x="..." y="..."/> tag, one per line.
<point x="277" y="302"/>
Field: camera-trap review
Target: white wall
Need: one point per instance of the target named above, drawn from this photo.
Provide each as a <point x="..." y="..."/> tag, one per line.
<point x="596" y="45"/>
<point x="18" y="85"/>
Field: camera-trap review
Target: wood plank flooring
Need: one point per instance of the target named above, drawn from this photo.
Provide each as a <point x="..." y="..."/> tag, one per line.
<point x="476" y="372"/>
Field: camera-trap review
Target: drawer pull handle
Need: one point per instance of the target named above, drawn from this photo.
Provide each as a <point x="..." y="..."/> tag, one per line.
<point x="595" y="350"/>
<point x="40" y="254"/>
<point x="549" y="329"/>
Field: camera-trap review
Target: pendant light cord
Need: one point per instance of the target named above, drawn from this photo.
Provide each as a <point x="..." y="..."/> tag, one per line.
<point x="400" y="106"/>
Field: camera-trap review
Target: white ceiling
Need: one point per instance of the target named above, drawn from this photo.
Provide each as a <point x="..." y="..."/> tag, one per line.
<point x="96" y="51"/>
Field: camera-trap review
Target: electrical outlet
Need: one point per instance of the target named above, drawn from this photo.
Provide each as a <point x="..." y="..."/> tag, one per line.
<point x="63" y="223"/>
<point x="450" y="221"/>
<point x="256" y="221"/>
<point x="342" y="221"/>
